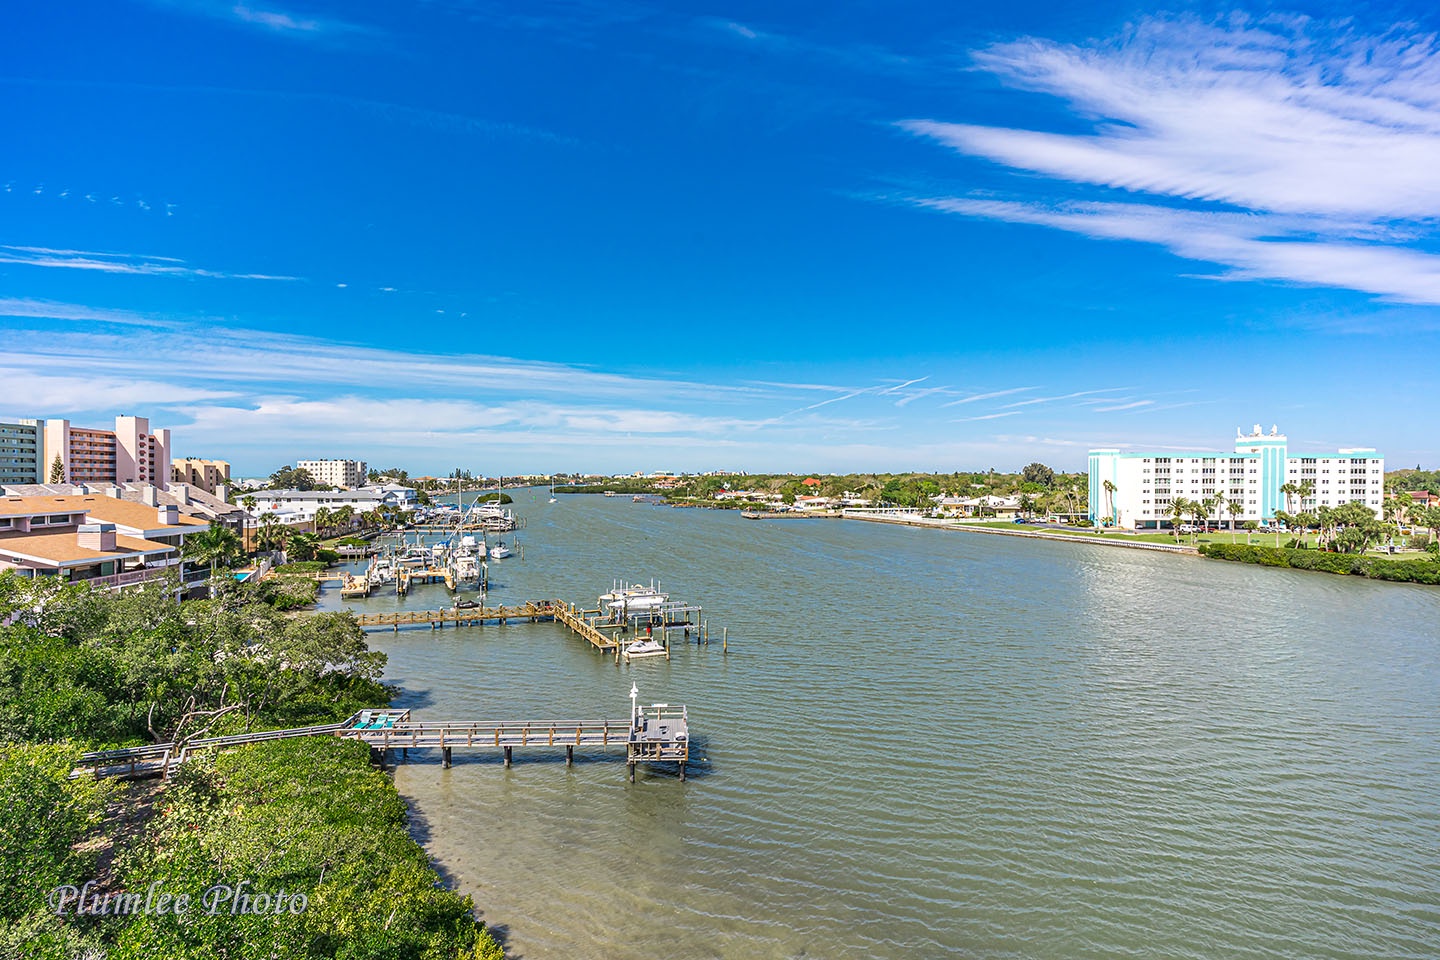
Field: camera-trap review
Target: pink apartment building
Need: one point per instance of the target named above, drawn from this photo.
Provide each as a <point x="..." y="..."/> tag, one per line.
<point x="130" y="452"/>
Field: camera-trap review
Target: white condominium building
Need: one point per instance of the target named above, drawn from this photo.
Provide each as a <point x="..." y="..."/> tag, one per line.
<point x="1136" y="490"/>
<point x="337" y="473"/>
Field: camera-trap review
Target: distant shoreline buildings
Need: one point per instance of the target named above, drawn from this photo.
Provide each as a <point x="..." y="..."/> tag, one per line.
<point x="1136" y="491"/>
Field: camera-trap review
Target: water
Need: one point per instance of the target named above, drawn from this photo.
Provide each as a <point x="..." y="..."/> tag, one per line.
<point x="932" y="744"/>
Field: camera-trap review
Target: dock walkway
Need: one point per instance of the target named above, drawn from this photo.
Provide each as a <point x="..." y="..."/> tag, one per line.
<point x="532" y="611"/>
<point x="659" y="733"/>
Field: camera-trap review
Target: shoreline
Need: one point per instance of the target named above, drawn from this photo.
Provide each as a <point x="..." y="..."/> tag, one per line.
<point x="941" y="524"/>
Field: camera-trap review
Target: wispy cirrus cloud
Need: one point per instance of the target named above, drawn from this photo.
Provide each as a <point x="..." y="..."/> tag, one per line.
<point x="987" y="416"/>
<point x="991" y="395"/>
<point x="1281" y="149"/>
<point x="123" y="263"/>
<point x="270" y="18"/>
<point x="54" y="310"/>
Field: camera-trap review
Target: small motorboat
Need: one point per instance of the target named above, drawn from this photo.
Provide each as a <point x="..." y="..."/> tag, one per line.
<point x="466" y="604"/>
<point x="644" y="648"/>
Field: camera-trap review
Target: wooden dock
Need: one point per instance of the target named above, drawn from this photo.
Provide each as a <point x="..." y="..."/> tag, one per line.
<point x="601" y="632"/>
<point x="658" y="733"/>
<point x="532" y="611"/>
<point x="588" y="624"/>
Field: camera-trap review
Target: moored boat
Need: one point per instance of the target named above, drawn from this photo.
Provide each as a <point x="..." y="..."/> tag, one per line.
<point x="643" y="648"/>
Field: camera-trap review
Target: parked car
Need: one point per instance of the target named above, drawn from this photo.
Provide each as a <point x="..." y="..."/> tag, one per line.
<point x="1189" y="528"/>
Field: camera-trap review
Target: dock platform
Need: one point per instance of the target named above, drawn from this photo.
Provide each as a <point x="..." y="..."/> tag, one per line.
<point x="658" y="733"/>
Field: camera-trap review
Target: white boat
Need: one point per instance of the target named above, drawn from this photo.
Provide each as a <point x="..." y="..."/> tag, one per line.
<point x="552" y="493"/>
<point x="640" y="603"/>
<point x="499" y="551"/>
<point x="634" y="596"/>
<point x="644" y="648"/>
<point x="467" y="567"/>
<point x="382" y="571"/>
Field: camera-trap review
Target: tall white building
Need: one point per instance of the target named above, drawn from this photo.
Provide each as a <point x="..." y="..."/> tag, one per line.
<point x="337" y="473"/>
<point x="1135" y="490"/>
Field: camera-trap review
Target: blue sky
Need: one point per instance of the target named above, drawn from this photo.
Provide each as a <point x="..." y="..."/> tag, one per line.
<point x="613" y="236"/>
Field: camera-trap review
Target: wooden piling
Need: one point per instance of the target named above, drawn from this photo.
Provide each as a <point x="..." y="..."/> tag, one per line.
<point x="508" y="749"/>
<point x="445" y="753"/>
<point x="569" y="754"/>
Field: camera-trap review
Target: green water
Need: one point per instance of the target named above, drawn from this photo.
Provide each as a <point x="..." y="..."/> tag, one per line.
<point x="932" y="744"/>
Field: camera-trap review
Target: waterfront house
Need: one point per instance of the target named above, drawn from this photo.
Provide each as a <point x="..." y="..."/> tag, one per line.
<point x="94" y="538"/>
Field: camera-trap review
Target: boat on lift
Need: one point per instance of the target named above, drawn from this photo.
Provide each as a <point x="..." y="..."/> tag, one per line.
<point x="634" y="597"/>
<point x="640" y="649"/>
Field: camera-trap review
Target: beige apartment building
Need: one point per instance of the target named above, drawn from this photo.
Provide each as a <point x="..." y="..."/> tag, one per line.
<point x="204" y="474"/>
<point x="337" y="473"/>
<point x="130" y="452"/>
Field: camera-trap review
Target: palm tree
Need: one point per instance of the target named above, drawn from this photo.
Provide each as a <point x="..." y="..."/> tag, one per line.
<point x="303" y="546"/>
<point x="1216" y="504"/>
<point x="248" y="502"/>
<point x="1234" y="508"/>
<point x="1199" y="512"/>
<point x="1289" y="489"/>
<point x="323" y="519"/>
<point x="1397" y="506"/>
<point x="1179" y="507"/>
<point x="343" y="516"/>
<point x="1250" y="527"/>
<point x="1306" y="489"/>
<point x="214" y="546"/>
<point x="1109" y="500"/>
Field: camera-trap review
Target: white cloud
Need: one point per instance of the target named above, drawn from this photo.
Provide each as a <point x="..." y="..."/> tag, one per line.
<point x="52" y="310"/>
<point x="269" y="18"/>
<point x="116" y="263"/>
<point x="1246" y="243"/>
<point x="51" y="393"/>
<point x="1284" y="149"/>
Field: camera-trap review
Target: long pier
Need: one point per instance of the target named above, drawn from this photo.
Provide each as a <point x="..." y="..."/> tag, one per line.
<point x="532" y="611"/>
<point x="658" y="733"/>
<point x="599" y="631"/>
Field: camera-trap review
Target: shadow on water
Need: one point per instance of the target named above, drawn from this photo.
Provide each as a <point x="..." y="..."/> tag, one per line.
<point x="421" y="831"/>
<point x="431" y="757"/>
<point x="410" y="698"/>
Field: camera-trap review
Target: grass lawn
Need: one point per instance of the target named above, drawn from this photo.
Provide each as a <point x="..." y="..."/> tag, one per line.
<point x="1257" y="538"/>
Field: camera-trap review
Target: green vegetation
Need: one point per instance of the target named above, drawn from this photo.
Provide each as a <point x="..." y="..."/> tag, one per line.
<point x="85" y="669"/>
<point x="1398" y="481"/>
<point x="1376" y="568"/>
<point x="303" y="816"/>
<point x="289" y="478"/>
<point x="287" y="592"/>
<point x="631" y="486"/>
<point x="218" y="546"/>
<point x="301" y="566"/>
<point x="43" y="817"/>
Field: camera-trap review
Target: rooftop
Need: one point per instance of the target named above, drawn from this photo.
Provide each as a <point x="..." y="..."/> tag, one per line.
<point x="63" y="548"/>
<point x="125" y="513"/>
